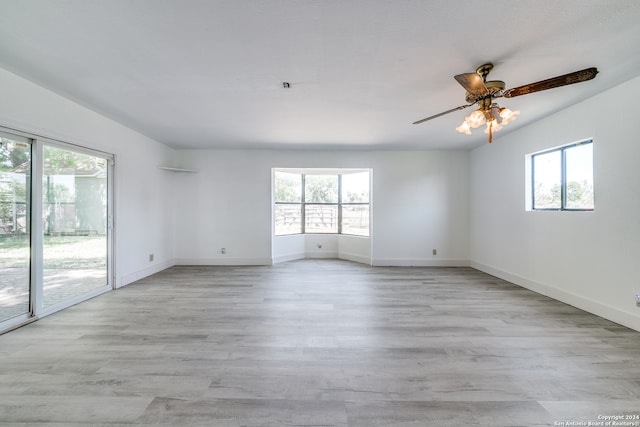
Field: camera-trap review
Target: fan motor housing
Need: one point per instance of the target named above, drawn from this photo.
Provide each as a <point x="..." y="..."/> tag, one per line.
<point x="492" y="86"/>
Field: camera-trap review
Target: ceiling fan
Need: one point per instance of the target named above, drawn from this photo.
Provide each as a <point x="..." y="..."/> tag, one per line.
<point x="482" y="92"/>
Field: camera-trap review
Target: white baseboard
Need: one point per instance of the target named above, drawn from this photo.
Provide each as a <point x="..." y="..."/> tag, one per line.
<point x="223" y="261"/>
<point x="322" y="255"/>
<point x="355" y="258"/>
<point x="141" y="274"/>
<point x="289" y="257"/>
<point x="610" y="313"/>
<point x="419" y="262"/>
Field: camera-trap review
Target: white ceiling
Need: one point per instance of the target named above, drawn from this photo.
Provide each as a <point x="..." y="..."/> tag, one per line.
<point x="209" y="73"/>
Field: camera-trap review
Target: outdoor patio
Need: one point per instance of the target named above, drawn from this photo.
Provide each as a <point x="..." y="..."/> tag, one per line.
<point x="72" y="266"/>
<point x="59" y="285"/>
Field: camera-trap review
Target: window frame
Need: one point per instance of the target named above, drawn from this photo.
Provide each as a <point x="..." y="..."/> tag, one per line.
<point x="563" y="177"/>
<point x="342" y="204"/>
<point x="339" y="204"/>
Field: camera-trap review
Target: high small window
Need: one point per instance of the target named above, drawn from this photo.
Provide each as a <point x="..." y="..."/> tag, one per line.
<point x="562" y="178"/>
<point x="318" y="202"/>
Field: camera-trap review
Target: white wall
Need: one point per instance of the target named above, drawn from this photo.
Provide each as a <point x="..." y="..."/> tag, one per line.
<point x="354" y="248"/>
<point x="420" y="202"/>
<point x="321" y="246"/>
<point x="288" y="248"/>
<point x="143" y="207"/>
<point x="587" y="259"/>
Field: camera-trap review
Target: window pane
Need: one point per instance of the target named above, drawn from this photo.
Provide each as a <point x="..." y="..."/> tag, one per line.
<point x="547" y="180"/>
<point x="321" y="218"/>
<point x="288" y="219"/>
<point x="355" y="188"/>
<point x="321" y="189"/>
<point x="579" y="173"/>
<point x="288" y="187"/>
<point x="15" y="176"/>
<point x="75" y="224"/>
<point x="355" y="219"/>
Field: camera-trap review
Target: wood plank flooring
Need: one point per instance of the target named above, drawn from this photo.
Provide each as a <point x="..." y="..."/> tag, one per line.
<point x="319" y="343"/>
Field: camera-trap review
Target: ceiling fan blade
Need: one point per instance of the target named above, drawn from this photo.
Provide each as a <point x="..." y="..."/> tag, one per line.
<point x="564" y="80"/>
<point x="462" y="107"/>
<point x="473" y="83"/>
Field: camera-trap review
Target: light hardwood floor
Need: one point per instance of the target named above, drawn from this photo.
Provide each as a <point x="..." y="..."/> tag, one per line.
<point x="319" y="343"/>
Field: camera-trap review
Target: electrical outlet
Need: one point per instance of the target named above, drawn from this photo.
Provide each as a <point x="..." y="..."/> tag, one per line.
<point x="435" y="252"/>
<point x="223" y="251"/>
<point x="150" y="257"/>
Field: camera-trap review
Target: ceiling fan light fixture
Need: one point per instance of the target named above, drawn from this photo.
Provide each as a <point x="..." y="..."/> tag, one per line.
<point x="464" y="128"/>
<point x="494" y="116"/>
<point x="493" y="126"/>
<point x="475" y="119"/>
<point x="508" y="116"/>
<point x="495" y="113"/>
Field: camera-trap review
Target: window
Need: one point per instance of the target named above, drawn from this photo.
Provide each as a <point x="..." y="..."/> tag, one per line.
<point x="321" y="203"/>
<point x="355" y="203"/>
<point x="562" y="178"/>
<point x="315" y="202"/>
<point x="288" y="207"/>
<point x="15" y="227"/>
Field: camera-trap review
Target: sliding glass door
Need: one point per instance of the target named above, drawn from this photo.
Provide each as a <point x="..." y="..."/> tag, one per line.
<point x="15" y="226"/>
<point x="61" y="255"/>
<point x="75" y="213"/>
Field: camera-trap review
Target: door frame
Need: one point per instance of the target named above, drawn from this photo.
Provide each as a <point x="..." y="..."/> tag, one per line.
<point x="36" y="310"/>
